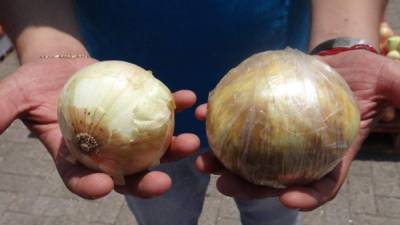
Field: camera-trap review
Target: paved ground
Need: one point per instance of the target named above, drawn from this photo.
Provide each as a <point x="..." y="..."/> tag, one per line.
<point x="31" y="193"/>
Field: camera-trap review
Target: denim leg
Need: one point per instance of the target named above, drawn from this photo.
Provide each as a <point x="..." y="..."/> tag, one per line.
<point x="268" y="211"/>
<point x="181" y="205"/>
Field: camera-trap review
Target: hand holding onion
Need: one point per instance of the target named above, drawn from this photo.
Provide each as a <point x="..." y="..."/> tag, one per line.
<point x="116" y="118"/>
<point x="369" y="76"/>
<point x="281" y="118"/>
<point x="35" y="88"/>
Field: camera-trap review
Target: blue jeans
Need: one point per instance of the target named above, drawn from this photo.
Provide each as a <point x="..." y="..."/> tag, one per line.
<point x="183" y="203"/>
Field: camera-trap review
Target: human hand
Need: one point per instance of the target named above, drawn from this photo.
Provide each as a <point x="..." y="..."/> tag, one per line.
<point x="31" y="94"/>
<point x="375" y="82"/>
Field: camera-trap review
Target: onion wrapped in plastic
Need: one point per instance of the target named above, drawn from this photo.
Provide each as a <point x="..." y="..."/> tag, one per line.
<point x="281" y="118"/>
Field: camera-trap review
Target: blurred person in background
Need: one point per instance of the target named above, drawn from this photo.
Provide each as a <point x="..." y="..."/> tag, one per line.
<point x="5" y="44"/>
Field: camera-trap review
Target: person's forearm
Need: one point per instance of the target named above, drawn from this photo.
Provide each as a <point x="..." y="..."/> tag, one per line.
<point x="346" y="18"/>
<point x="42" y="27"/>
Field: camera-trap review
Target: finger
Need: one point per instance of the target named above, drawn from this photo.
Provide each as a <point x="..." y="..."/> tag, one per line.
<point x="201" y="112"/>
<point x="234" y="186"/>
<point x="208" y="163"/>
<point x="311" y="197"/>
<point x="387" y="114"/>
<point x="91" y="185"/>
<point x="317" y="193"/>
<point x="77" y="178"/>
<point x="182" y="146"/>
<point x="146" y="185"/>
<point x="84" y="182"/>
<point x="11" y="102"/>
<point x="184" y="99"/>
<point x="389" y="82"/>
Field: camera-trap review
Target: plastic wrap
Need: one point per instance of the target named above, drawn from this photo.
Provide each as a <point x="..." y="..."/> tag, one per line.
<point x="281" y="118"/>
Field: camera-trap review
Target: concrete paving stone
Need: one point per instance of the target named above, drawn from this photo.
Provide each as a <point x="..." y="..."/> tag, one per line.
<point x="17" y="132"/>
<point x="391" y="8"/>
<point x="5" y="200"/>
<point x="361" y="194"/>
<point x="98" y="224"/>
<point x="125" y="216"/>
<point x="5" y="146"/>
<point x="386" y="178"/>
<point x="100" y="211"/>
<point x="14" y="218"/>
<point x="47" y="206"/>
<point x="60" y="220"/>
<point x="228" y="221"/>
<point x="212" y="190"/>
<point x="315" y="217"/>
<point x="398" y="167"/>
<point x="392" y="15"/>
<point x="23" y="203"/>
<point x="26" y="184"/>
<point x="361" y="167"/>
<point x="15" y="163"/>
<point x="388" y="206"/>
<point x="32" y="148"/>
<point x="63" y="220"/>
<point x="107" y="208"/>
<point x="18" y="124"/>
<point x="25" y="188"/>
<point x="45" y="166"/>
<point x="337" y="211"/>
<point x="228" y="208"/>
<point x="211" y="208"/>
<point x="55" y="187"/>
<point x="86" y="209"/>
<point x="362" y="219"/>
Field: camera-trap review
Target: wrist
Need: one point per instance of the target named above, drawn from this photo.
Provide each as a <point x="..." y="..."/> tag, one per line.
<point x="372" y="39"/>
<point x="343" y="18"/>
<point x="341" y="44"/>
<point x="389" y="79"/>
<point x="34" y="43"/>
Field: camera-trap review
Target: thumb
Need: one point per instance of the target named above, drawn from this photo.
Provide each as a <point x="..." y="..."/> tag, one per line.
<point x="11" y="102"/>
<point x="389" y="83"/>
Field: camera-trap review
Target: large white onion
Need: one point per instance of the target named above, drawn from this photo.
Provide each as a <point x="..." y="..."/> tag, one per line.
<point x="116" y="117"/>
<point x="281" y="118"/>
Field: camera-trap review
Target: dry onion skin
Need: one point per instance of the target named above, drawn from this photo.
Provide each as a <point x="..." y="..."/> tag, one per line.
<point x="116" y="117"/>
<point x="281" y="118"/>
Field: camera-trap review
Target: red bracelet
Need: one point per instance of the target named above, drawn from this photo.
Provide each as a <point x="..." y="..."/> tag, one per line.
<point x="336" y="50"/>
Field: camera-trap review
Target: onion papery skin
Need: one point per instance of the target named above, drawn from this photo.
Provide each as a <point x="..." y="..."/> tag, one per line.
<point x="116" y="117"/>
<point x="281" y="118"/>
